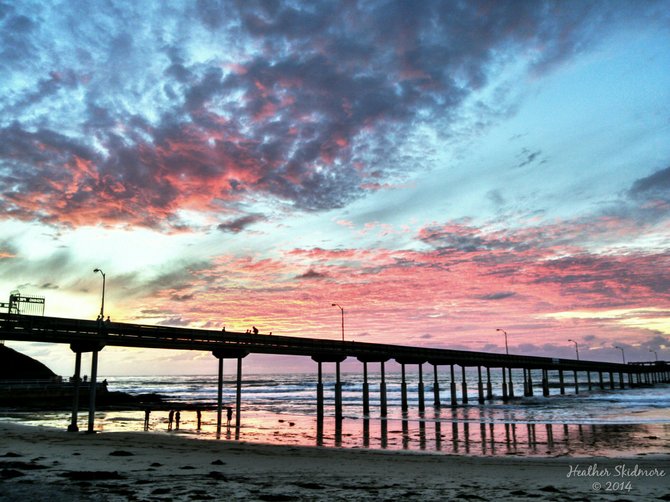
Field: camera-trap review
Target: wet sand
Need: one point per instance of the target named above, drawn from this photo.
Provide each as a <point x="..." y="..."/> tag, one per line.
<point x="41" y="463"/>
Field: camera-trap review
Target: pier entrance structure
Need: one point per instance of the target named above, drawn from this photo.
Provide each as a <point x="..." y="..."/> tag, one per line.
<point x="92" y="336"/>
<point x="21" y="304"/>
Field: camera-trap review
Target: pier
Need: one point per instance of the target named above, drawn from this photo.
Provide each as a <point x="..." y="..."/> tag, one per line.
<point x="93" y="336"/>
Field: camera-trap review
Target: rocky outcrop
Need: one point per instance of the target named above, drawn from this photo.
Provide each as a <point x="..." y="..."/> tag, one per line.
<point x="17" y="366"/>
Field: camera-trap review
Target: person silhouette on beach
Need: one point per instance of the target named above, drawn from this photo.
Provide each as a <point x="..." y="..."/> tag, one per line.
<point x="177" y="417"/>
<point x="229" y="415"/>
<point x="198" y="414"/>
<point x="170" y="419"/>
<point x="147" y="412"/>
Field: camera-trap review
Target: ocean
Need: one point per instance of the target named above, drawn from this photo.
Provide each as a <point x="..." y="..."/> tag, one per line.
<point x="281" y="409"/>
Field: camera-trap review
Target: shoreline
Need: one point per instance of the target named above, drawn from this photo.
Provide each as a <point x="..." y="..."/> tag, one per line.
<point x="57" y="465"/>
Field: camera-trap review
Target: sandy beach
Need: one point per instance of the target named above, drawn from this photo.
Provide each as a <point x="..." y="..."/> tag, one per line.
<point x="42" y="463"/>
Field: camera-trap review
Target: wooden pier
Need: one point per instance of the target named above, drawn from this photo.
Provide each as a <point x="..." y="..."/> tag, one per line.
<point x="93" y="336"/>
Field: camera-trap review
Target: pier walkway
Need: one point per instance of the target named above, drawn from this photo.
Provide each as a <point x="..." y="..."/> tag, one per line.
<point x="92" y="336"/>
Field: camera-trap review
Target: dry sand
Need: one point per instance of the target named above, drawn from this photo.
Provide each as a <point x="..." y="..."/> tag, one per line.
<point x="41" y="464"/>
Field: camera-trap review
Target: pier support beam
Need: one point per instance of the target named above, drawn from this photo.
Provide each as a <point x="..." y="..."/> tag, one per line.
<point x="338" y="393"/>
<point x="621" y="385"/>
<point x="464" y="386"/>
<point x="453" y="386"/>
<point x="489" y="386"/>
<point x="403" y="389"/>
<point x="504" y="385"/>
<point x="422" y="401"/>
<point x="510" y="385"/>
<point x="480" y="385"/>
<point x="222" y="354"/>
<point x="436" y="389"/>
<point x="91" y="391"/>
<point x="525" y="382"/>
<point x="73" y="427"/>
<point x="545" y="382"/>
<point x="561" y="382"/>
<point x="576" y="382"/>
<point x="238" y="394"/>
<point x="611" y="380"/>
<point x="600" y="378"/>
<point x="366" y="391"/>
<point x="319" y="394"/>
<point x="366" y="386"/>
<point x="588" y="378"/>
<point x="78" y="348"/>
<point x="382" y="393"/>
<point x="219" y="397"/>
<point x="530" y="382"/>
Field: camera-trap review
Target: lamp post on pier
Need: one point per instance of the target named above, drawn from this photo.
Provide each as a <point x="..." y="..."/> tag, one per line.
<point x="655" y="354"/>
<point x="623" y="355"/>
<point x="576" y="347"/>
<point x="102" y="305"/>
<point x="342" y="310"/>
<point x="506" y="347"/>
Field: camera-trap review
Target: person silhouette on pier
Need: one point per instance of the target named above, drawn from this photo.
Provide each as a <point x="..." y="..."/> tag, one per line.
<point x="255" y="330"/>
<point x="170" y="419"/>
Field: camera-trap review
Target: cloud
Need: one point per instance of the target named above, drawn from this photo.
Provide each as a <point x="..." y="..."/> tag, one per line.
<point x="237" y="225"/>
<point x="312" y="274"/>
<point x="654" y="185"/>
<point x="143" y="111"/>
<point x="502" y="295"/>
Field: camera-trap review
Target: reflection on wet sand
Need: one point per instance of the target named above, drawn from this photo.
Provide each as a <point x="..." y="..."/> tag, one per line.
<point x="482" y="438"/>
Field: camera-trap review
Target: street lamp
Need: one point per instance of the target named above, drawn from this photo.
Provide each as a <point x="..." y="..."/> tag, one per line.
<point x="576" y="347"/>
<point x="623" y="355"/>
<point x="655" y="354"/>
<point x="505" y="332"/>
<point x="102" y="305"/>
<point x="341" y="309"/>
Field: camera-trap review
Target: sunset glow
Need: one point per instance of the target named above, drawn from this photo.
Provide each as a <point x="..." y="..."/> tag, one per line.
<point x="440" y="169"/>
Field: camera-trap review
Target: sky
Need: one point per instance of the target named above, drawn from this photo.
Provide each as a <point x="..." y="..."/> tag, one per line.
<point x="439" y="169"/>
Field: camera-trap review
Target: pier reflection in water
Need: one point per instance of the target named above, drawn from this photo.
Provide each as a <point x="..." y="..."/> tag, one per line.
<point x="482" y="438"/>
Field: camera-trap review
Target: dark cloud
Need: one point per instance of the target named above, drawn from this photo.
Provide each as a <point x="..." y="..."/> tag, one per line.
<point x="174" y="321"/>
<point x="654" y="185"/>
<point x="501" y="295"/>
<point x="312" y="274"/>
<point x="127" y="113"/>
<point x="527" y="157"/>
<point x="239" y="224"/>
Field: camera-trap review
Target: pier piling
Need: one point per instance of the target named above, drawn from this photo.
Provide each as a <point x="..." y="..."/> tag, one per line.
<point x="366" y="391"/>
<point x="504" y="385"/>
<point x="91" y="391"/>
<point x="464" y="386"/>
<point x="422" y="401"/>
<point x="453" y="386"/>
<point x="480" y="385"/>
<point x="489" y="386"/>
<point x="436" y="389"/>
<point x="382" y="393"/>
<point x="73" y="427"/>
